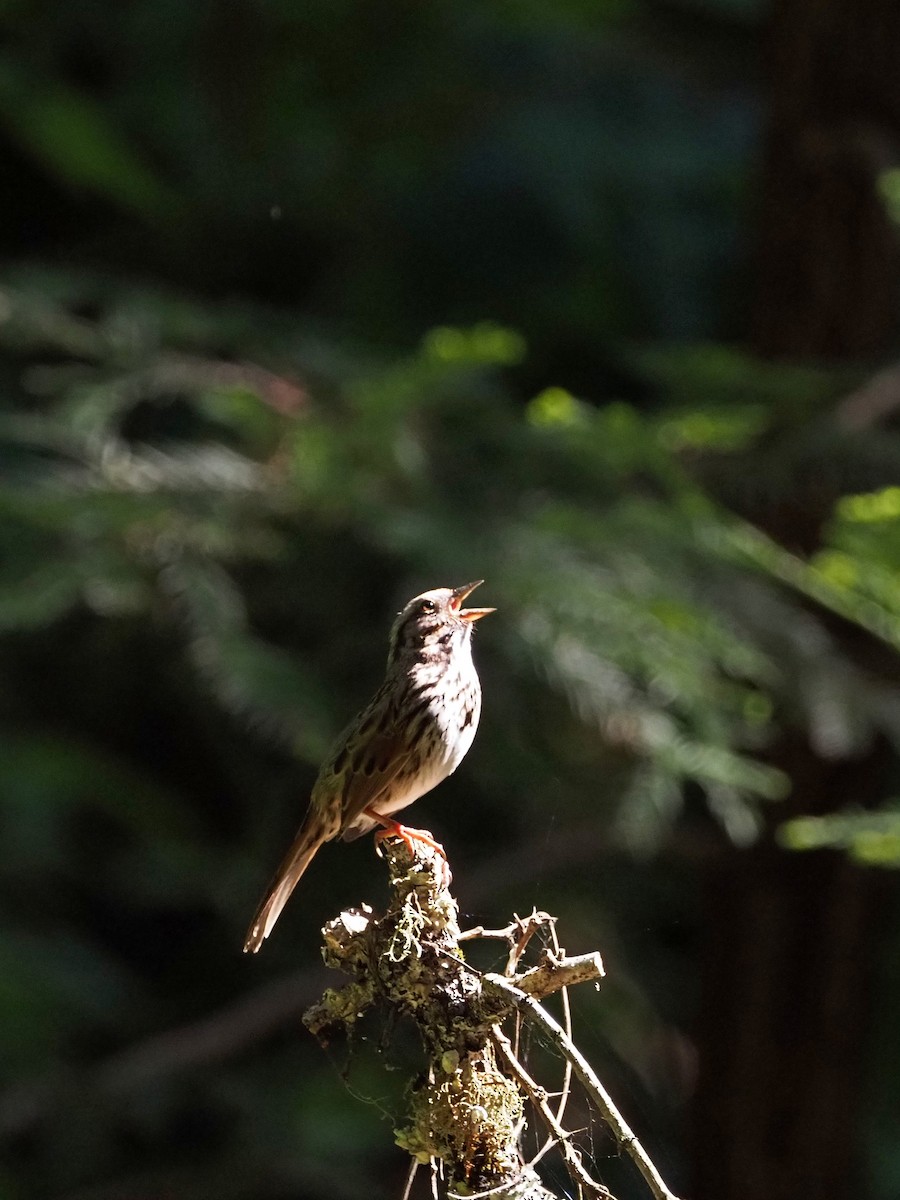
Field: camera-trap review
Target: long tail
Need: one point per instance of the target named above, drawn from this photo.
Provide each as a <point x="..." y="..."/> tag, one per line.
<point x="303" y="849"/>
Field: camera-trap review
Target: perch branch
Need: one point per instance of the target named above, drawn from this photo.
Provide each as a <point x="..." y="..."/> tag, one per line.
<point x="468" y="1111"/>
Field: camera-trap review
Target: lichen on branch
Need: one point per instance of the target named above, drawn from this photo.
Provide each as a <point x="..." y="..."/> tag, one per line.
<point x="468" y="1113"/>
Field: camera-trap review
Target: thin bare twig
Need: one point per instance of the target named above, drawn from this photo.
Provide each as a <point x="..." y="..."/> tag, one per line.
<point x="567" y="1019"/>
<point x="525" y="928"/>
<point x="479" y="931"/>
<point x="410" y="1176"/>
<point x="518" y="933"/>
<point x="559" y="1136"/>
<point x="555" y="971"/>
<point x="521" y="933"/>
<point x="567" y="1073"/>
<point x="622" y="1132"/>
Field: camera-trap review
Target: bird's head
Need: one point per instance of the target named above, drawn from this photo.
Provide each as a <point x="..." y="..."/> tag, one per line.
<point x="434" y="622"/>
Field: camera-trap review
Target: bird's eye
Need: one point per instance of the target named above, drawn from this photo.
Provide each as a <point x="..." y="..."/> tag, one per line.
<point x="428" y="606"/>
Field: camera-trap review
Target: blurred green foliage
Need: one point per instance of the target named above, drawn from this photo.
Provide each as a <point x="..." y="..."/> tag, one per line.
<point x="202" y="554"/>
<point x="449" y="292"/>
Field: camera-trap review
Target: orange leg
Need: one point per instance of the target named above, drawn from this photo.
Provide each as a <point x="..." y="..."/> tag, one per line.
<point x="392" y="828"/>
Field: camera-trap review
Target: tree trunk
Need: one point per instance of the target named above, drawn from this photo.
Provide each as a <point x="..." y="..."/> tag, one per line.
<point x="787" y="981"/>
<point x="828" y="247"/>
<point x="792" y="938"/>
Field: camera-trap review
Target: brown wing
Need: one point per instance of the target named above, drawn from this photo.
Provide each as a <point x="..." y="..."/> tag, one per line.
<point x="376" y="758"/>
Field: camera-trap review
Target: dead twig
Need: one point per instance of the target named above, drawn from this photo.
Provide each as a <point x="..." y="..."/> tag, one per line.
<point x="597" y="1093"/>
<point x="560" y="1136"/>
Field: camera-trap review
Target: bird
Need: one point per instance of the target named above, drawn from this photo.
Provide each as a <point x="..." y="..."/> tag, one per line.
<point x="414" y="732"/>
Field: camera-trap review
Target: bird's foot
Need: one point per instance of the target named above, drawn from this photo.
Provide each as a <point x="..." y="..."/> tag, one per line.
<point x="408" y="836"/>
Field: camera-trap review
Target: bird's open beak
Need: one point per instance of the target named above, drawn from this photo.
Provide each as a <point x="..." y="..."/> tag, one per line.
<point x="460" y="594"/>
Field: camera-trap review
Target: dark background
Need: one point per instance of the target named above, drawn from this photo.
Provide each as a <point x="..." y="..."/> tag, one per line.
<point x="309" y="306"/>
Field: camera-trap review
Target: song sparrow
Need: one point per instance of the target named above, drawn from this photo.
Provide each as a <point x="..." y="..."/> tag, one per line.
<point x="414" y="733"/>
